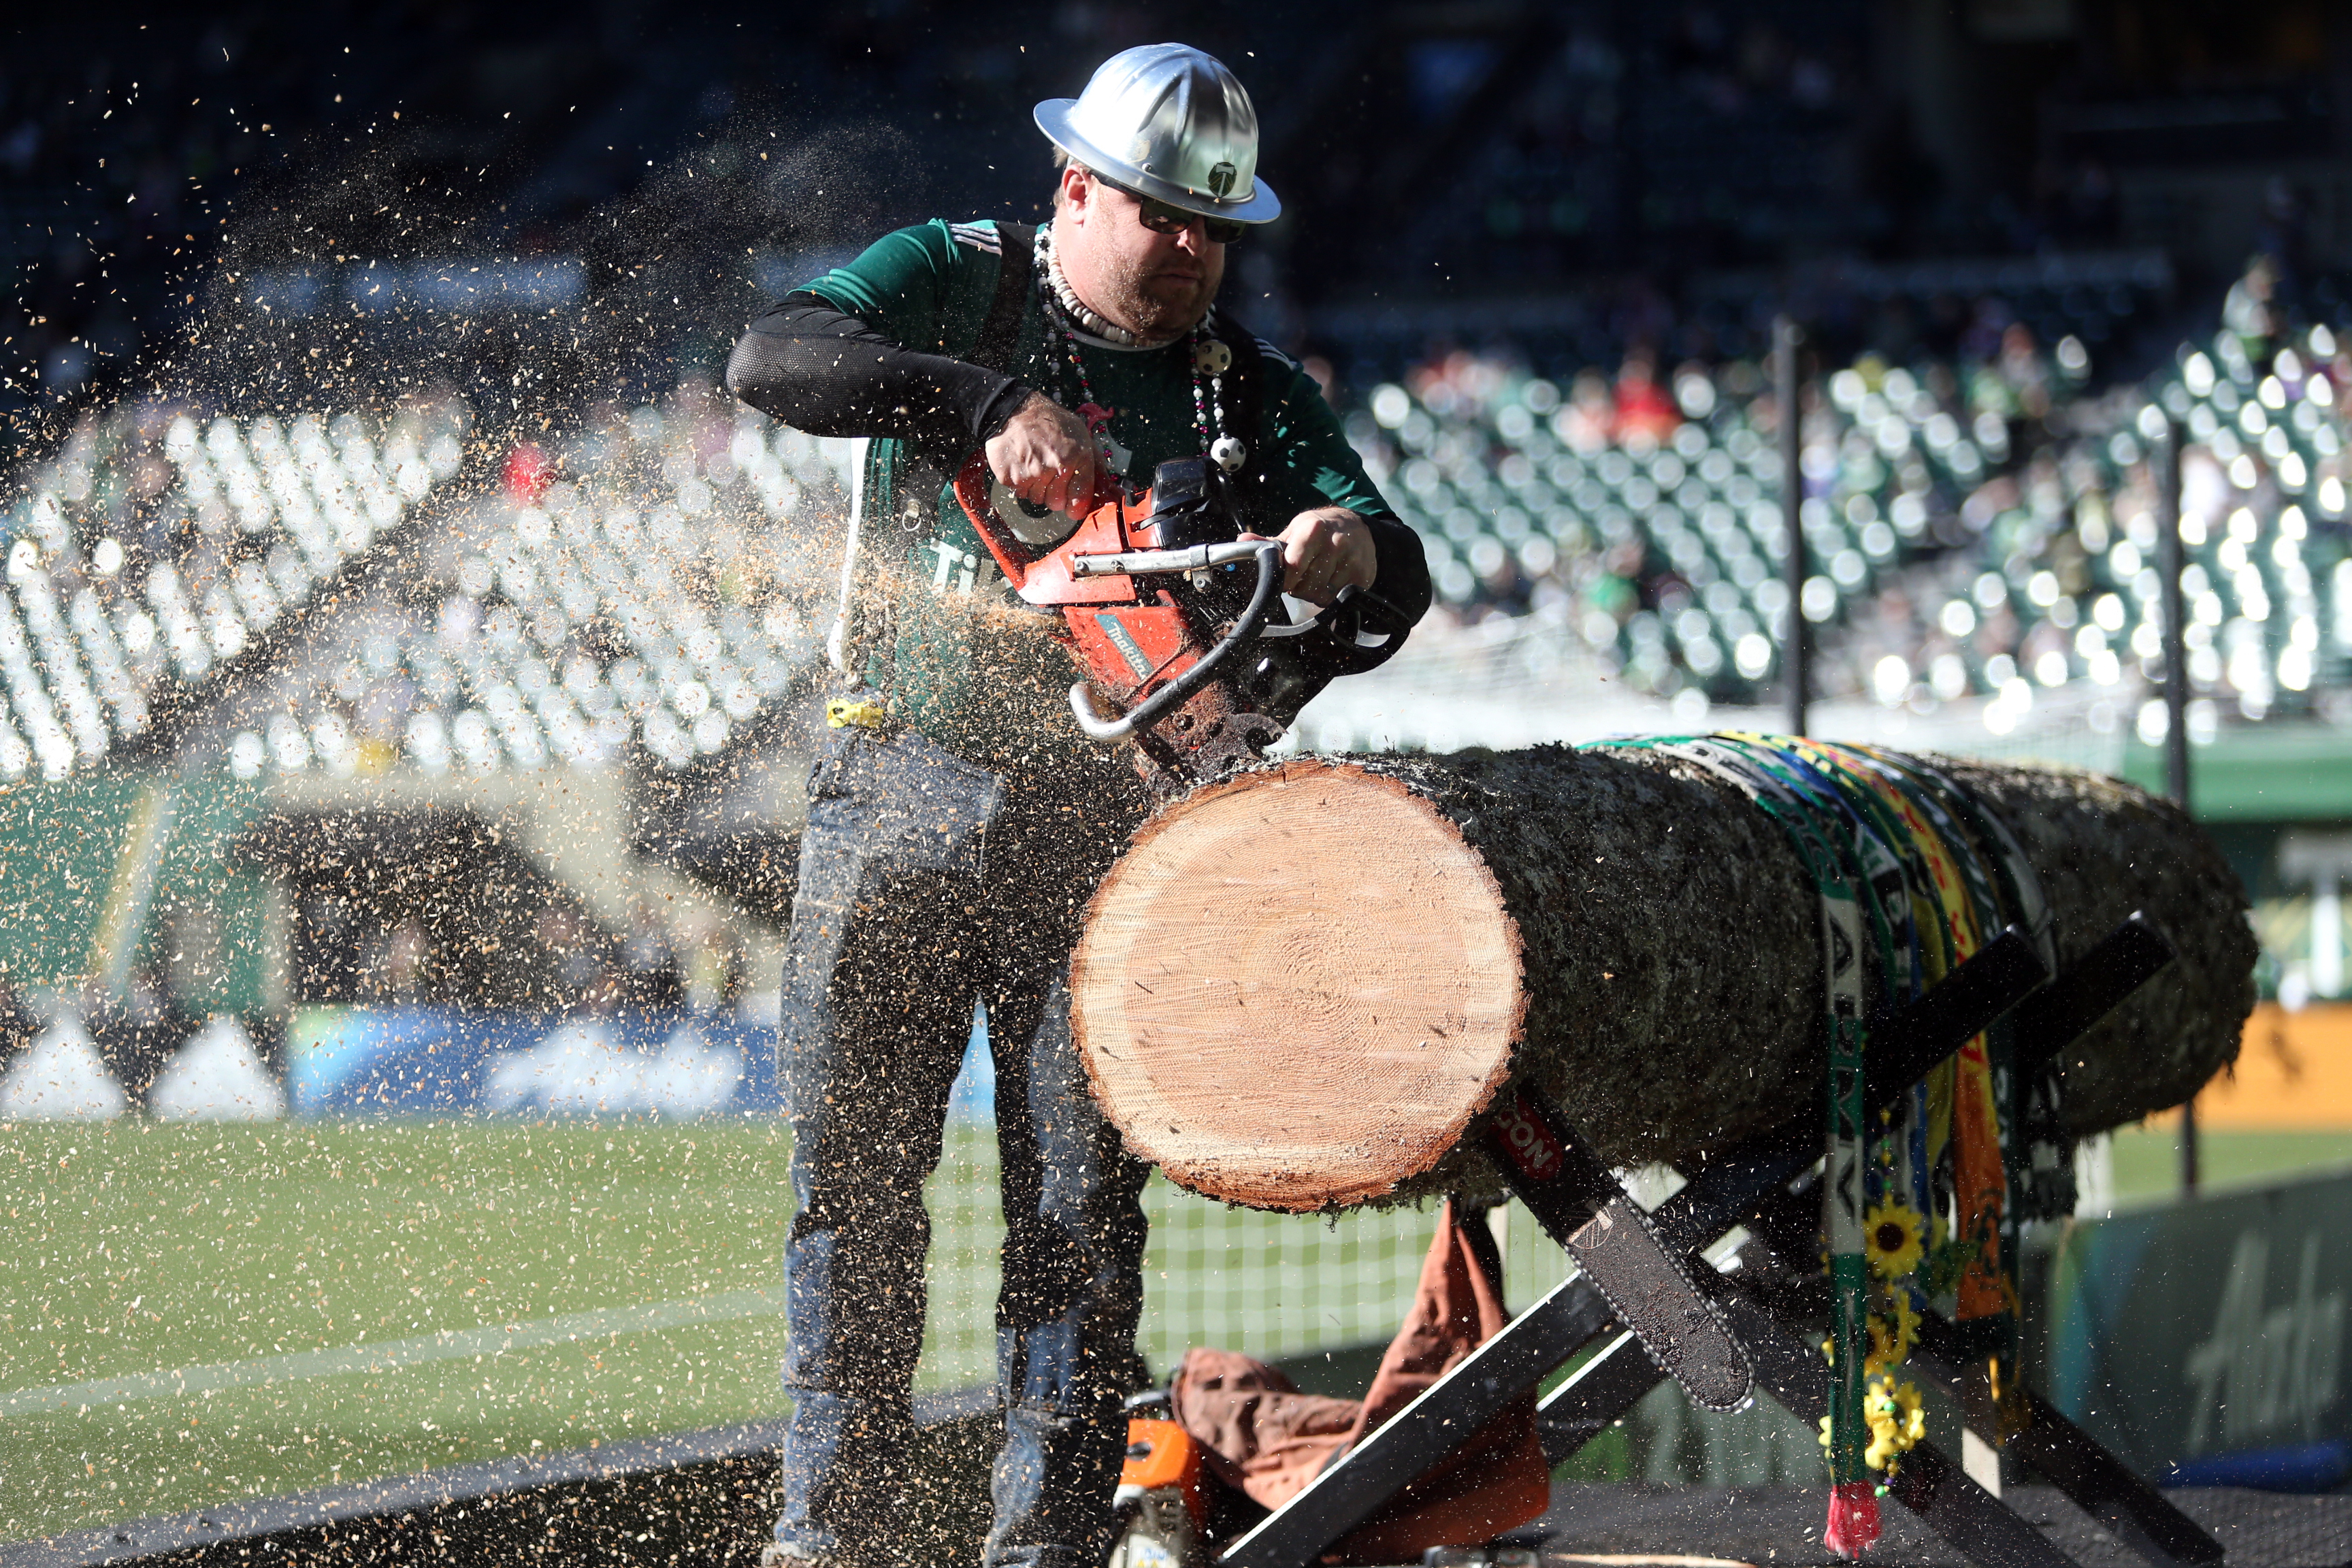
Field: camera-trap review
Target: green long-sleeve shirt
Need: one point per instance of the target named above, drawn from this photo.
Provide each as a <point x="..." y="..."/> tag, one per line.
<point x="959" y="661"/>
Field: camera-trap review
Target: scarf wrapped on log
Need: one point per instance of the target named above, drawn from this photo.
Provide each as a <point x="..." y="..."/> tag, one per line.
<point x="1895" y="848"/>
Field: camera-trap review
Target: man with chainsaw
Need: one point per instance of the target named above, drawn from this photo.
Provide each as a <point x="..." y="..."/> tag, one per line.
<point x="959" y="818"/>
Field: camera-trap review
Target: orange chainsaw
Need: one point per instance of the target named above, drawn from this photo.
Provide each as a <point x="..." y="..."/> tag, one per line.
<point x="1174" y="618"/>
<point x="1165" y="1503"/>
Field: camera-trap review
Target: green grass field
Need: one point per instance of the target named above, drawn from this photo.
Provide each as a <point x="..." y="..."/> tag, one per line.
<point x="191" y="1314"/>
<point x="136" y="1247"/>
<point x="2147" y="1161"/>
<point x="366" y="1299"/>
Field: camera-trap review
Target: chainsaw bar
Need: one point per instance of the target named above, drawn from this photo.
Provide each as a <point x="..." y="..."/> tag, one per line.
<point x="1580" y="1207"/>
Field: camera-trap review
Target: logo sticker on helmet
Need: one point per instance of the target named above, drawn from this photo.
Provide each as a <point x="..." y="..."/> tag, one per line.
<point x="1221" y="179"/>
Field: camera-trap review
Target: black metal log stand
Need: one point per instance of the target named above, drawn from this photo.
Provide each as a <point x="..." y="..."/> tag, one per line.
<point x="1764" y="1295"/>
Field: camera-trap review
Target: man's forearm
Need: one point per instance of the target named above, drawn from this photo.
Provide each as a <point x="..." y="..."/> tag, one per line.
<point x="819" y="370"/>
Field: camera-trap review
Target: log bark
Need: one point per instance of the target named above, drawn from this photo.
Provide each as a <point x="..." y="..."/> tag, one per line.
<point x="1299" y="987"/>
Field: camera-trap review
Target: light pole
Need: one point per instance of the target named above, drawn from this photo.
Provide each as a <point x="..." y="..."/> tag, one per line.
<point x="1796" y="648"/>
<point x="2171" y="562"/>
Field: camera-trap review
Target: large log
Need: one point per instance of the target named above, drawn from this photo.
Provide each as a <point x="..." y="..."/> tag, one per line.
<point x="1300" y="986"/>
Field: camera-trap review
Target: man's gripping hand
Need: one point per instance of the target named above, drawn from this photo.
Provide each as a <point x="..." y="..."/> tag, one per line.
<point x="1045" y="455"/>
<point x="1325" y="551"/>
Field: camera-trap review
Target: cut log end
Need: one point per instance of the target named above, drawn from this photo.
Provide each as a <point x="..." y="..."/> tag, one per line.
<point x="1367" y="1036"/>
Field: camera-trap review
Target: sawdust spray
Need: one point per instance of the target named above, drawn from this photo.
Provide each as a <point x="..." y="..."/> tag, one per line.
<point x="570" y="364"/>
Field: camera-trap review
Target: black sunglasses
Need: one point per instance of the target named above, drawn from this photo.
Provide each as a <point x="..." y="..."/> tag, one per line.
<point x="1166" y="217"/>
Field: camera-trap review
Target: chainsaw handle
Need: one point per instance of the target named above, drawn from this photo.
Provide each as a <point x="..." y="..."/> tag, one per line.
<point x="1356" y="613"/>
<point x="1107" y="730"/>
<point x="1150" y="563"/>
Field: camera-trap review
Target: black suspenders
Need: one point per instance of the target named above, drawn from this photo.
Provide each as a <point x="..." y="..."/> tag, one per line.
<point x="1002" y="330"/>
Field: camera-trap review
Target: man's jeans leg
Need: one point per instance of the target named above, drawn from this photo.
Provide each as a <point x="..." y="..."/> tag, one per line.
<point x="1072" y="1294"/>
<point x="877" y="1009"/>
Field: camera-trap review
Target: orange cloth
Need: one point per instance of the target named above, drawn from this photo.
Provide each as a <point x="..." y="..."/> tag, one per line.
<point x="1269" y="1440"/>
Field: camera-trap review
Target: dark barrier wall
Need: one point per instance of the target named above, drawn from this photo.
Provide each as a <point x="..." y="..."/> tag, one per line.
<point x="2205" y="1342"/>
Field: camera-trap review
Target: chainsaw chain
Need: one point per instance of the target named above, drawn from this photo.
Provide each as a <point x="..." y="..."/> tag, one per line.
<point x="1621" y="1208"/>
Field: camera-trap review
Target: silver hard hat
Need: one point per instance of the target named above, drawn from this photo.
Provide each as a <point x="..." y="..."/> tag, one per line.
<point x="1171" y="123"/>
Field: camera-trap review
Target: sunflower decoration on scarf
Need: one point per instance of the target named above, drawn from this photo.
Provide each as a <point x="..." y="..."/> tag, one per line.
<point x="1907" y="1268"/>
<point x="1894" y="1241"/>
<point x="1895" y="1238"/>
<point x="1897" y="1421"/>
<point x="1894" y="1331"/>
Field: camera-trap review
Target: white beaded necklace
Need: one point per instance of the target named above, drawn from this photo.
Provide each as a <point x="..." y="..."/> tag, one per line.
<point x="1088" y="320"/>
<point x="1065" y="311"/>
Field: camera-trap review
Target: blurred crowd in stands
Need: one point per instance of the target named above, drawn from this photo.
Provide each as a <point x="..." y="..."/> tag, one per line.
<point x="638" y="582"/>
<point x="1652" y="173"/>
<point x="1977" y="527"/>
<point x="1981" y="534"/>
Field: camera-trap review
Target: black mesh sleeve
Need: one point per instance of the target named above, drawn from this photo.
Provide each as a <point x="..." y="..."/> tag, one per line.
<point x="1402" y="569"/>
<point x="829" y="374"/>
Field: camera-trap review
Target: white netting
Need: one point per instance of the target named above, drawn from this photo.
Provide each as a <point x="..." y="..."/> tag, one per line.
<point x="1274" y="1286"/>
